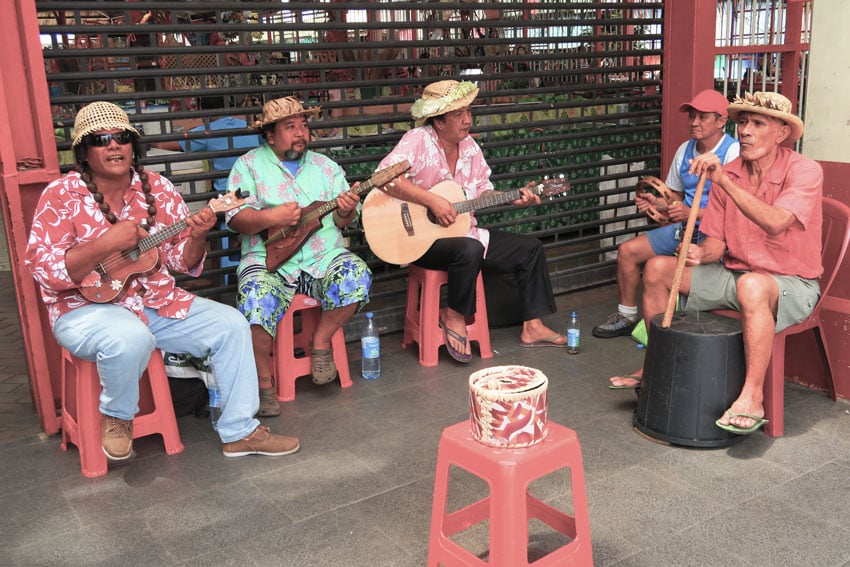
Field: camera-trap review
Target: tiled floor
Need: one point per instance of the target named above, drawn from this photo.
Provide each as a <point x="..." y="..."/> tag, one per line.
<point x="359" y="491"/>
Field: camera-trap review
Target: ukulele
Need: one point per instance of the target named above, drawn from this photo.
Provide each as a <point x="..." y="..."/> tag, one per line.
<point x="282" y="243"/>
<point x="109" y="279"/>
<point x="399" y="232"/>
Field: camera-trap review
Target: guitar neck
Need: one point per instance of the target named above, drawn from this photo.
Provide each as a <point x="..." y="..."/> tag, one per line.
<point x="490" y="200"/>
<point x="154" y="240"/>
<point x="331" y="206"/>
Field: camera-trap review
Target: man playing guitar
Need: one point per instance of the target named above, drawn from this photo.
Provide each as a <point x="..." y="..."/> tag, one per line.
<point x="88" y="224"/>
<point x="441" y="149"/>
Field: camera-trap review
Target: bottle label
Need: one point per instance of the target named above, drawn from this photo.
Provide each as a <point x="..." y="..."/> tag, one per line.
<point x="573" y="338"/>
<point x="215" y="398"/>
<point x="371" y="347"/>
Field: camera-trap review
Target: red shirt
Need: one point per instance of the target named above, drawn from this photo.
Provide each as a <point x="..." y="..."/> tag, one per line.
<point x="794" y="183"/>
<point x="67" y="214"/>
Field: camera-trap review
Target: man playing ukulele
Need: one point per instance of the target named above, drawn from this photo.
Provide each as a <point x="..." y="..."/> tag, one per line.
<point x="282" y="177"/>
<point x="84" y="224"/>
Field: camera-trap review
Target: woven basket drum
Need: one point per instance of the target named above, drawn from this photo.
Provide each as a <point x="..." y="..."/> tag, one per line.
<point x="507" y="406"/>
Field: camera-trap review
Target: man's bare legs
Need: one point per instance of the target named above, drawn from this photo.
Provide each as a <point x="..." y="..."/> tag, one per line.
<point x="657" y="282"/>
<point x="329" y="323"/>
<point x="262" y="342"/>
<point x="758" y="295"/>
<point x="630" y="256"/>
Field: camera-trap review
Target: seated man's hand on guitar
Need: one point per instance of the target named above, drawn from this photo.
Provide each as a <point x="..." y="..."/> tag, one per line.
<point x="287" y="214"/>
<point x="125" y="234"/>
<point x="443" y="210"/>
<point x="201" y="222"/>
<point x="347" y="203"/>
<point x="528" y="196"/>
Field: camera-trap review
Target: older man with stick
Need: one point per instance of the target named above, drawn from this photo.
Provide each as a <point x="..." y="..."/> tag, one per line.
<point x="761" y="255"/>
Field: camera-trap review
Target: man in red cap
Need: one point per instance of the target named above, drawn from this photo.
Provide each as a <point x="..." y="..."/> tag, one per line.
<point x="707" y="122"/>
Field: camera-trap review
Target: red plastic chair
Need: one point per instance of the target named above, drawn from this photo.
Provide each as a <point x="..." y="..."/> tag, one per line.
<point x="81" y="416"/>
<point x="422" y="315"/>
<point x="292" y="348"/>
<point x="509" y="506"/>
<point x="835" y="238"/>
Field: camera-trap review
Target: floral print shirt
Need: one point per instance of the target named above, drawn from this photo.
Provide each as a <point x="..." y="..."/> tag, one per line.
<point x="67" y="215"/>
<point x="429" y="166"/>
<point x="268" y="183"/>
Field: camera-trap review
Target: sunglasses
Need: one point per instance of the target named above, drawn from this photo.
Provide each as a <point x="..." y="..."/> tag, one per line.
<point x="100" y="140"/>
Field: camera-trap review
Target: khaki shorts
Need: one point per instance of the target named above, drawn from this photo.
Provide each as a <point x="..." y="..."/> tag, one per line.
<point x="715" y="287"/>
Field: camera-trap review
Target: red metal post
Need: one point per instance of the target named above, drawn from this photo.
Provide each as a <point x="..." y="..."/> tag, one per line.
<point x="28" y="161"/>
<point x="688" y="67"/>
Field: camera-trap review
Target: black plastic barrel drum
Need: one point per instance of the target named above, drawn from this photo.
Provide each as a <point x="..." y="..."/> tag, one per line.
<point x="692" y="373"/>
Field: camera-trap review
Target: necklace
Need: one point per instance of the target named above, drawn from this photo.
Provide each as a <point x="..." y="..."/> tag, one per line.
<point x="104" y="206"/>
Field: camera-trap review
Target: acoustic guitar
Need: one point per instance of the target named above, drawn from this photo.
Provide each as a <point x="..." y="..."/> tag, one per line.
<point x="110" y="277"/>
<point x="399" y="232"/>
<point x="282" y="243"/>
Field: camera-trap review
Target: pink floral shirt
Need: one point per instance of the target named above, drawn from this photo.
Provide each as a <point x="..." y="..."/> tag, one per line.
<point x="429" y="166"/>
<point x="67" y="215"/>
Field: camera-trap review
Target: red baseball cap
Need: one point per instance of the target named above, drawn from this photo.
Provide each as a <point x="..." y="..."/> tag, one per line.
<point x="707" y="101"/>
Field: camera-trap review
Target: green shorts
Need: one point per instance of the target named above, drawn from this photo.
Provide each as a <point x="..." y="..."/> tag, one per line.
<point x="265" y="296"/>
<point x="715" y="287"/>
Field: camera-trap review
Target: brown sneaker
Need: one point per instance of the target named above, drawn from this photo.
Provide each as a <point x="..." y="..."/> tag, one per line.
<point x="322" y="365"/>
<point x="269" y="406"/>
<point x="261" y="442"/>
<point x="116" y="437"/>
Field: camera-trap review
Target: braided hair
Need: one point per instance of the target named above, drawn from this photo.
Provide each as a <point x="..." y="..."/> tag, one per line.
<point x="81" y="165"/>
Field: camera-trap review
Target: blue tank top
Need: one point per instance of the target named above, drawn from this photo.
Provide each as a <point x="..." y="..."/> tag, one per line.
<point x="689" y="180"/>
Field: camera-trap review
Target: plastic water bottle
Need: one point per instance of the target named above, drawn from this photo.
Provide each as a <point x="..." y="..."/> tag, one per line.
<point x="370" y="344"/>
<point x="215" y="401"/>
<point x="573" y="334"/>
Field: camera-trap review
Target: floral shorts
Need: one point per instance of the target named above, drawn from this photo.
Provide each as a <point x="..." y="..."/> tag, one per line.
<point x="265" y="296"/>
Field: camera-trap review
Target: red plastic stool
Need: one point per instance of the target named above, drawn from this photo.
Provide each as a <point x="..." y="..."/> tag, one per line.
<point x="81" y="419"/>
<point x="422" y="315"/>
<point x="288" y="366"/>
<point x="509" y="506"/>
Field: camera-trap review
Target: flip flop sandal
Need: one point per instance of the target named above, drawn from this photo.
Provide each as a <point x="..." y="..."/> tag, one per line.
<point x="759" y="421"/>
<point x="627" y="386"/>
<point x="454" y="353"/>
<point x="322" y="365"/>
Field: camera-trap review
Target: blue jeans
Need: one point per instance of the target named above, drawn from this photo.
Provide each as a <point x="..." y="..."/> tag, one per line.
<point x="121" y="344"/>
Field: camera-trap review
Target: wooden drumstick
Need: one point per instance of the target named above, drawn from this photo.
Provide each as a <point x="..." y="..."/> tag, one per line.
<point x="683" y="253"/>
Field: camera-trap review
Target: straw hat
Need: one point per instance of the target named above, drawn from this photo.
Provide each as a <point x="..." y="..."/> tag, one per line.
<point x="442" y="97"/>
<point x="99" y="116"/>
<point x="769" y="104"/>
<point x="281" y="108"/>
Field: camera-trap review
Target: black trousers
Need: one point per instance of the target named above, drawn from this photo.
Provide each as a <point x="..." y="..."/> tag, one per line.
<point x="508" y="252"/>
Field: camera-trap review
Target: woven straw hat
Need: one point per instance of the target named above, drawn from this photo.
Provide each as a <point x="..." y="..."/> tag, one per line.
<point x="769" y="104"/>
<point x="280" y="108"/>
<point x="442" y="97"/>
<point x="99" y="116"/>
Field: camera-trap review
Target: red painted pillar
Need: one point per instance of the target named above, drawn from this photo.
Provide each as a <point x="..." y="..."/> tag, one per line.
<point x="688" y="67"/>
<point x="28" y="161"/>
